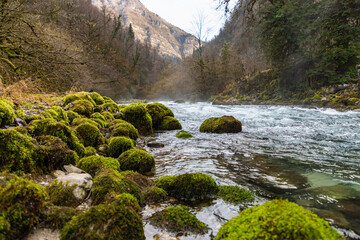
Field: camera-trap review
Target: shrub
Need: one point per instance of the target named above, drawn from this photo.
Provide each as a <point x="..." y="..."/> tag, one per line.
<point x="169" y="123"/>
<point x="82" y="107"/>
<point x="94" y="164"/>
<point x="234" y="194"/>
<point x="61" y="194"/>
<point x="137" y="115"/>
<point x="89" y="135"/>
<point x="225" y="124"/>
<point x="278" y="219"/>
<point x="188" y="186"/>
<point x="154" y="195"/>
<point x="184" y="135"/>
<point x="137" y="160"/>
<point x="178" y="219"/>
<point x="7" y="113"/>
<point x="116" y="221"/>
<point x="118" y="145"/>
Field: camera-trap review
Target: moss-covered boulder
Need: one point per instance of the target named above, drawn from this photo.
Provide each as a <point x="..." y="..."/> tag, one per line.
<point x="72" y="115"/>
<point x="118" y="145"/>
<point x="137" y="160"/>
<point x="116" y="221"/>
<point x="7" y="113"/>
<point x="89" y="151"/>
<point x="141" y="181"/>
<point x="137" y="115"/>
<point x="108" y="116"/>
<point x="169" y="123"/>
<point x="89" y="135"/>
<point x="20" y="153"/>
<point x="82" y="120"/>
<point x="154" y="195"/>
<point x="21" y="206"/>
<point x="157" y="112"/>
<point x="225" y="124"/>
<point x="98" y="99"/>
<point x="94" y="164"/>
<point x="123" y="128"/>
<point x="178" y="219"/>
<point x="57" y="113"/>
<point x="234" y="194"/>
<point x="57" y="129"/>
<point x="111" y="107"/>
<point x="33" y="117"/>
<point x="278" y="219"/>
<point x="109" y="183"/>
<point x="82" y="107"/>
<point x="184" y="135"/>
<point x="70" y="98"/>
<point x="61" y="194"/>
<point x="98" y="116"/>
<point x="188" y="186"/>
<point x="58" y="216"/>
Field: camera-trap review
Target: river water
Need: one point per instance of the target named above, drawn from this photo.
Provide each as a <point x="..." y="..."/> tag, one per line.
<point x="309" y="156"/>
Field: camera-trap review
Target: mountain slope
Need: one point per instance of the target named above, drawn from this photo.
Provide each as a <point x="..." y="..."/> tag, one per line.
<point x="169" y="40"/>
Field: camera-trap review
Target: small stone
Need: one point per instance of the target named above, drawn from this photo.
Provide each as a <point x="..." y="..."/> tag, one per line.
<point x="72" y="169"/>
<point x="155" y="145"/>
<point x="164" y="236"/>
<point x="83" y="182"/>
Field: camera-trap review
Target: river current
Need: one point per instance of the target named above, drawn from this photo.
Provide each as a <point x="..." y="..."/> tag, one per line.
<point x="309" y="156"/>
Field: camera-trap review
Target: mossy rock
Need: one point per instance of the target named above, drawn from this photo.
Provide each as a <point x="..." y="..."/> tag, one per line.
<point x="56" y="129"/>
<point x="184" y="135"/>
<point x="7" y="113"/>
<point x="90" y="151"/>
<point x="157" y="112"/>
<point x="58" y="216"/>
<point x="178" y="219"/>
<point x="82" y="107"/>
<point x="21" y="205"/>
<point x="225" y="124"/>
<point x="108" y="116"/>
<point x="111" y="107"/>
<point x="137" y="115"/>
<point x="82" y="120"/>
<point x="141" y="181"/>
<point x="137" y="160"/>
<point x="118" y="145"/>
<point x="57" y="153"/>
<point x="109" y="183"/>
<point x="116" y="221"/>
<point x="94" y="164"/>
<point x="188" y="186"/>
<point x="234" y="194"/>
<point x="56" y="113"/>
<point x="70" y="98"/>
<point x="20" y="114"/>
<point x="61" y="194"/>
<point x="155" y="195"/>
<point x="123" y="128"/>
<point x="31" y="118"/>
<point x="169" y="123"/>
<point x="20" y="153"/>
<point x="98" y="99"/>
<point x="89" y="135"/>
<point x="98" y="116"/>
<point x="278" y="219"/>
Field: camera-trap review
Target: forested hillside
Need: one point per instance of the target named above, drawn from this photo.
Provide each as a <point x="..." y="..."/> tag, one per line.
<point x="59" y="45"/>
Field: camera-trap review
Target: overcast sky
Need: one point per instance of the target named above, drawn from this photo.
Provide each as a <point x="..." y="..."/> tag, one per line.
<point x="183" y="13"/>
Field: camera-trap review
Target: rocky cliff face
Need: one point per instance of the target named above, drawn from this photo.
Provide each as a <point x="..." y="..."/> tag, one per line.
<point x="169" y="40"/>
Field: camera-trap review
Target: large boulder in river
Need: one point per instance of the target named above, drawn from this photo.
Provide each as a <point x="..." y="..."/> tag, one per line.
<point x="224" y="124"/>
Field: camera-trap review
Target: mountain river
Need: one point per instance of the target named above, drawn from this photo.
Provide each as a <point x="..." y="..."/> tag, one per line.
<point x="309" y="156"/>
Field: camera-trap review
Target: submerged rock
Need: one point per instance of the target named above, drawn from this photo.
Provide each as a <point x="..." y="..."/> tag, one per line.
<point x="224" y="124"/>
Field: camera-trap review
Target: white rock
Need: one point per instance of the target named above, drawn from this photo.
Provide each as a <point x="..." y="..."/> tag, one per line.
<point x="43" y="234"/>
<point x="72" y="169"/>
<point x="164" y="236"/>
<point x="82" y="180"/>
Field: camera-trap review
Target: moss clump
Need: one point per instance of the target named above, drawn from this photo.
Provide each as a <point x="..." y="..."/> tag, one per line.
<point x="117" y="221"/>
<point x="82" y="107"/>
<point x="278" y="219"/>
<point x="7" y="113"/>
<point x="56" y="129"/>
<point x="155" y="195"/>
<point x="137" y="115"/>
<point x="225" y="124"/>
<point x="108" y="116"/>
<point x="98" y="116"/>
<point x="82" y="120"/>
<point x="56" y="113"/>
<point x="72" y="115"/>
<point x="178" y="219"/>
<point x="184" y="135"/>
<point x="98" y="99"/>
<point x="141" y="181"/>
<point x="58" y="216"/>
<point x="188" y="186"/>
<point x="21" y="205"/>
<point x="20" y="153"/>
<point x="89" y="135"/>
<point x="169" y="123"/>
<point x="30" y="118"/>
<point x="137" y="160"/>
<point x="94" y="164"/>
<point x="70" y="98"/>
<point x="123" y="128"/>
<point x="157" y="112"/>
<point x="234" y="194"/>
<point x="89" y="151"/>
<point x="109" y="183"/>
<point x="110" y="107"/>
<point x="118" y="145"/>
<point x="57" y="153"/>
<point x="61" y="194"/>
<point x="20" y="114"/>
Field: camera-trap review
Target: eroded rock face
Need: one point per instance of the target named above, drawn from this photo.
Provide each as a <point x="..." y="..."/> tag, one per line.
<point x="224" y="124"/>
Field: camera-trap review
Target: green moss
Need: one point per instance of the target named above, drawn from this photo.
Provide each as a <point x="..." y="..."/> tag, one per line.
<point x="21" y="205"/>
<point x="7" y="113"/>
<point x="90" y="151"/>
<point x="70" y="98"/>
<point x="137" y="115"/>
<point x="123" y="128"/>
<point x="224" y="124"/>
<point x="89" y="135"/>
<point x="94" y="164"/>
<point x="56" y="113"/>
<point x="20" y="114"/>
<point x="178" y="219"/>
<point x="141" y="181"/>
<point x="98" y="116"/>
<point x="116" y="221"/>
<point x="278" y="219"/>
<point x="155" y="195"/>
<point x="20" y="153"/>
<point x="56" y="129"/>
<point x="234" y="194"/>
<point x="98" y="99"/>
<point x="82" y="107"/>
<point x="82" y="120"/>
<point x="57" y="216"/>
<point x="184" y="135"/>
<point x="30" y="118"/>
<point x="157" y="112"/>
<point x="118" y="145"/>
<point x="109" y="183"/>
<point x="61" y="194"/>
<point x="119" y="115"/>
<point x="108" y="116"/>
<point x="169" y="123"/>
<point x="137" y="160"/>
<point x="72" y="115"/>
<point x="111" y="107"/>
<point x="188" y="186"/>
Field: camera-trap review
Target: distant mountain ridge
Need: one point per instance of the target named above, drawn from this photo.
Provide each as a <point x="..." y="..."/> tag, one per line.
<point x="168" y="39"/>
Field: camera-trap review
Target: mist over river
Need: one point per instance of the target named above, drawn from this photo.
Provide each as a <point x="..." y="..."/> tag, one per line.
<point x="309" y="156"/>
